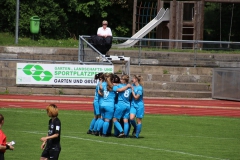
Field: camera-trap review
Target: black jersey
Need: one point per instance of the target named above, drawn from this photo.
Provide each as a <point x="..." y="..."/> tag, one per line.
<point x="54" y="127"/>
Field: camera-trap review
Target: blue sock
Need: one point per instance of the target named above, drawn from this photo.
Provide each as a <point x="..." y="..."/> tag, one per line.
<point x="138" y="130"/>
<point x="118" y="126"/>
<point x="100" y="125"/>
<point x="133" y="122"/>
<point x="129" y="125"/>
<point x="109" y="131"/>
<point x="116" y="132"/>
<point x="92" y="124"/>
<point x="105" y="127"/>
<point x="126" y="128"/>
<point x="96" y="124"/>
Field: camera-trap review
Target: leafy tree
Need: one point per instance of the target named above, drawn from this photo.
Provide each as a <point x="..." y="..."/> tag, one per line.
<point x="212" y="21"/>
<point x="53" y="19"/>
<point x="7" y="14"/>
<point x="68" y="18"/>
<point x="52" y="23"/>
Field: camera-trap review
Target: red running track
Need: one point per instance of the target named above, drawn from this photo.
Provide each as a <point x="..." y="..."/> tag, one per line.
<point x="195" y="107"/>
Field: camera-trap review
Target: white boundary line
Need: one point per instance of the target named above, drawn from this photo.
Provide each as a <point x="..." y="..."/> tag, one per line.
<point x="135" y="146"/>
<point x="41" y="111"/>
<point x="77" y="114"/>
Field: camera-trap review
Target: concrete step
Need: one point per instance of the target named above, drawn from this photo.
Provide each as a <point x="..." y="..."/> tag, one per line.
<point x="7" y="64"/>
<point x="187" y="59"/>
<point x="53" y="57"/>
<point x="177" y="94"/>
<point x="154" y="85"/>
<point x="90" y="92"/>
<point x="147" y="57"/>
<point x="174" y="62"/>
<point x="176" y="78"/>
<point x="7" y="73"/>
<point x="143" y="69"/>
<point x="6" y="81"/>
<point x="176" y="86"/>
<point x="182" y="56"/>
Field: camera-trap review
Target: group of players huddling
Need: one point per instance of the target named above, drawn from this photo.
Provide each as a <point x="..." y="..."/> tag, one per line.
<point x="117" y="101"/>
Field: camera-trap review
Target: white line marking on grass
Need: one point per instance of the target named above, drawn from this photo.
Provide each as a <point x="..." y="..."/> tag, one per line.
<point x="34" y="132"/>
<point x="128" y="145"/>
<point x="189" y="136"/>
<point x="41" y="111"/>
<point x="9" y="110"/>
<point x="205" y="137"/>
<point x="144" y="147"/>
<point x="182" y="115"/>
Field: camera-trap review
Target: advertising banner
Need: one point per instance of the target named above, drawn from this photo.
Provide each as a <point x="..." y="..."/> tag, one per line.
<point x="59" y="74"/>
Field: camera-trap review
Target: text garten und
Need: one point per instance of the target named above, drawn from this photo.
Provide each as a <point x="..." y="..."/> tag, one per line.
<point x="84" y="81"/>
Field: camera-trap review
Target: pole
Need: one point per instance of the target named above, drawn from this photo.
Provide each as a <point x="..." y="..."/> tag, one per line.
<point x="220" y="25"/>
<point x="134" y="17"/>
<point x="139" y="53"/>
<point x="230" y="32"/>
<point x="17" y="20"/>
<point x="195" y="53"/>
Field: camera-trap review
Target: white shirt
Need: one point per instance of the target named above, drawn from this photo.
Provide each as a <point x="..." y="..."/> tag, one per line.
<point x="104" y="32"/>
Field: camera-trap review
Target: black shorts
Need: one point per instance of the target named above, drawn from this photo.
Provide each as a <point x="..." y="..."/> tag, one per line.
<point x="52" y="153"/>
<point x="1" y="156"/>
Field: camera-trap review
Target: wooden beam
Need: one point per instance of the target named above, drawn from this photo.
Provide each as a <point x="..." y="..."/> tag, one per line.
<point x="172" y="23"/>
<point x="179" y="23"/>
<point x="134" y="17"/>
<point x="159" y="28"/>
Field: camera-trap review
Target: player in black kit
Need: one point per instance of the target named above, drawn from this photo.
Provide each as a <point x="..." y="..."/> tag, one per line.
<point x="51" y="143"/>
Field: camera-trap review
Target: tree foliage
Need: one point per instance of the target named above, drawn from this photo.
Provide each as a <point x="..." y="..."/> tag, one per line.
<point x="213" y="19"/>
<point x="70" y="18"/>
<point x="67" y="18"/>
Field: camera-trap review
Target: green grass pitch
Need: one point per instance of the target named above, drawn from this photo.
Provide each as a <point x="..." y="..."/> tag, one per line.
<point x="163" y="137"/>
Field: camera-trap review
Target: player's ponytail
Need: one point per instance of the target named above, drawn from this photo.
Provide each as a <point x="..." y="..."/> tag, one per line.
<point x="140" y="79"/>
<point x="125" y="77"/>
<point x="109" y="79"/>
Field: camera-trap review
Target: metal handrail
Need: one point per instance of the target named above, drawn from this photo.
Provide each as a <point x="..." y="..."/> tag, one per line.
<point x="82" y="38"/>
<point x="174" y="40"/>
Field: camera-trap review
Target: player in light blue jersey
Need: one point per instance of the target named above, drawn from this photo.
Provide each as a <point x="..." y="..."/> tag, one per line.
<point x="137" y="105"/>
<point x="116" y="81"/>
<point x="95" y="106"/>
<point x="122" y="107"/>
<point x="99" y="123"/>
<point x="107" y="106"/>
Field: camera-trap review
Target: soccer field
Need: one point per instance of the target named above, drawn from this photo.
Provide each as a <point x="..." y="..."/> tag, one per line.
<point x="163" y="137"/>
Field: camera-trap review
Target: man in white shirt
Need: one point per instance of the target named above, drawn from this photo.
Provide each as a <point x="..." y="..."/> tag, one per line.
<point x="104" y="31"/>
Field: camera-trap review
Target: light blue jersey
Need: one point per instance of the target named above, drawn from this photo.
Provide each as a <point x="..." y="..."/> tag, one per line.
<point x="108" y="96"/>
<point x="124" y="97"/>
<point x="96" y="93"/>
<point x="137" y="109"/>
<point x="137" y="106"/>
<point x="122" y="107"/>
<point x="95" y="102"/>
<point x="138" y="90"/>
<point x="107" y="105"/>
<point x="100" y="98"/>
